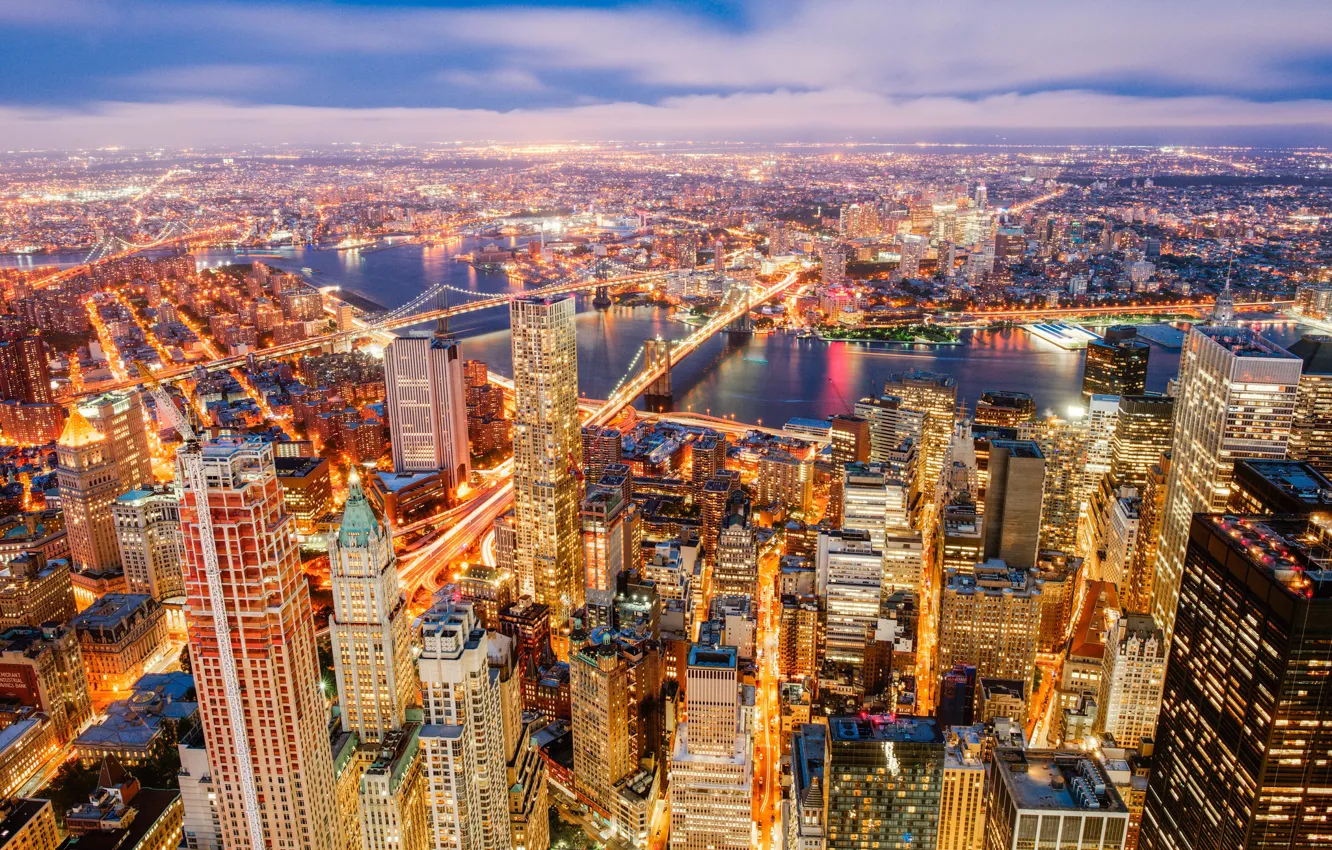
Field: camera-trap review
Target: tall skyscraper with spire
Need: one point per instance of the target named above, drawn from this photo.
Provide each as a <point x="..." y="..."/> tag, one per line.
<point x="427" y="405"/>
<point x="369" y="626"/>
<point x="271" y="632"/>
<point x="547" y="449"/>
<point x="89" y="483"/>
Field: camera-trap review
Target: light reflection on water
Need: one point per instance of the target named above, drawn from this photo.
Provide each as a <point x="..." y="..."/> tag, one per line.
<point x="806" y="378"/>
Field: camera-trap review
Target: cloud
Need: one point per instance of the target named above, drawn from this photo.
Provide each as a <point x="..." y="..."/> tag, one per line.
<point x="503" y="79"/>
<point x="825" y="115"/>
<point x="777" y="68"/>
<point x="211" y="79"/>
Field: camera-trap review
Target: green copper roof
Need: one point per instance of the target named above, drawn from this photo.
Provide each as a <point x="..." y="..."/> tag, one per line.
<point x="359" y="523"/>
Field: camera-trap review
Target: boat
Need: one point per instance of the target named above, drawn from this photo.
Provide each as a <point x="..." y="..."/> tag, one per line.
<point x="762" y="360"/>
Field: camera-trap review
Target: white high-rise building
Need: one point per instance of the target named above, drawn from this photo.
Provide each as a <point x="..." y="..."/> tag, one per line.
<point x="712" y="776"/>
<point x="849" y="581"/>
<point x="1235" y="399"/>
<point x="547" y="448"/>
<point x="427" y="406"/>
<point x="369" y="626"/>
<point x="147" y="526"/>
<point x="1132" y="679"/>
<point x="1102" y="414"/>
<point x="467" y="796"/>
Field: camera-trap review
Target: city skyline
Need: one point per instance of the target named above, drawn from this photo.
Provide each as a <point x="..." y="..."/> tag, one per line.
<point x="637" y="496"/>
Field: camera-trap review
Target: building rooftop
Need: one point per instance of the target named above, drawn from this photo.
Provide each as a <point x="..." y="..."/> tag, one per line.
<point x="894" y="728"/>
<point x="112" y="610"/>
<point x="1018" y="448"/>
<point x="1292" y="482"/>
<point x="1057" y="781"/>
<point x="297" y="467"/>
<point x="708" y="656"/>
<point x="22" y="811"/>
<point x="1296" y="551"/>
<point x="1243" y="342"/>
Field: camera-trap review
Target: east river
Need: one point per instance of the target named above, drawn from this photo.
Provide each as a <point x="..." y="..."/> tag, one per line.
<point x="765" y="378"/>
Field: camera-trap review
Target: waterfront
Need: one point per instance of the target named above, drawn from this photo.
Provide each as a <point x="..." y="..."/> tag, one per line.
<point x="769" y="378"/>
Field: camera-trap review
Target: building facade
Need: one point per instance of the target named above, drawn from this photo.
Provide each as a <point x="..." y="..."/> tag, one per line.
<point x="265" y="603"/>
<point x="547" y="449"/>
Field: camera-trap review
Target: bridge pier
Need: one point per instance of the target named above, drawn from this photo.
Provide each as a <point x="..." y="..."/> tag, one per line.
<point x="659" y="397"/>
<point x="602" y="299"/>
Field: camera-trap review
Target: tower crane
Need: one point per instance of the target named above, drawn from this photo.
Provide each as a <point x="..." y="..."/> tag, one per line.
<point x="190" y="459"/>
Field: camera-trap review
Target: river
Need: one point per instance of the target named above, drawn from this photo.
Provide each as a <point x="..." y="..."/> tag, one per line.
<point x="769" y="378"/>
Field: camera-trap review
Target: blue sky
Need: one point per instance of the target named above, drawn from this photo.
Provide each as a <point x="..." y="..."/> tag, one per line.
<point x="196" y="72"/>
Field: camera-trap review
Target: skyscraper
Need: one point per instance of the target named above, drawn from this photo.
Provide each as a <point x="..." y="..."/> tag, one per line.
<point x="603" y="551"/>
<point x="962" y="807"/>
<point x="1013" y="502"/>
<point x="463" y="740"/>
<point x="1144" y="427"/>
<point x="1116" y="364"/>
<point x="991" y="620"/>
<point x="1236" y="399"/>
<point x="427" y="407"/>
<point x="1132" y="676"/>
<point x="885" y="781"/>
<point x="369" y="626"/>
<point x="1241" y="745"/>
<point x="711" y="773"/>
<point x="147" y="524"/>
<point x="603" y="751"/>
<point x="1311" y="431"/>
<point x="24" y="374"/>
<point x="601" y="447"/>
<point x="119" y="417"/>
<point x="890" y="425"/>
<point x="849" y="582"/>
<point x="547" y="448"/>
<point x="1063" y="443"/>
<point x="271" y="632"/>
<point x="89" y="483"/>
<point x="935" y="396"/>
<point x="1005" y="409"/>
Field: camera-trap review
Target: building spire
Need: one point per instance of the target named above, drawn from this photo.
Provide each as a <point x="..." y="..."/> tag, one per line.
<point x="1223" y="310"/>
<point x="359" y="523"/>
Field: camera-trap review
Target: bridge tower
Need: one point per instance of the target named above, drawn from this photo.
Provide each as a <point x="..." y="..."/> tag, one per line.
<point x="659" y="397"/>
<point x="743" y="326"/>
<point x="601" y="299"/>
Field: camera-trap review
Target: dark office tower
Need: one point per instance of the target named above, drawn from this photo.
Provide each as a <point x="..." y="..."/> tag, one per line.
<point x="1005" y="409"/>
<point x="24" y="375"/>
<point x="957" y="696"/>
<point x="1278" y="488"/>
<point x="1311" y="431"/>
<point x="1144" y="427"/>
<point x="850" y="437"/>
<point x="1244" y="732"/>
<point x="1117" y="364"/>
<point x="885" y="781"/>
<point x="601" y="446"/>
<point x="1013" y="502"/>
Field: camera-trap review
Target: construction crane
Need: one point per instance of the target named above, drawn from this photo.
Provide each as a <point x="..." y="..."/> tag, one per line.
<point x="190" y="459"/>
